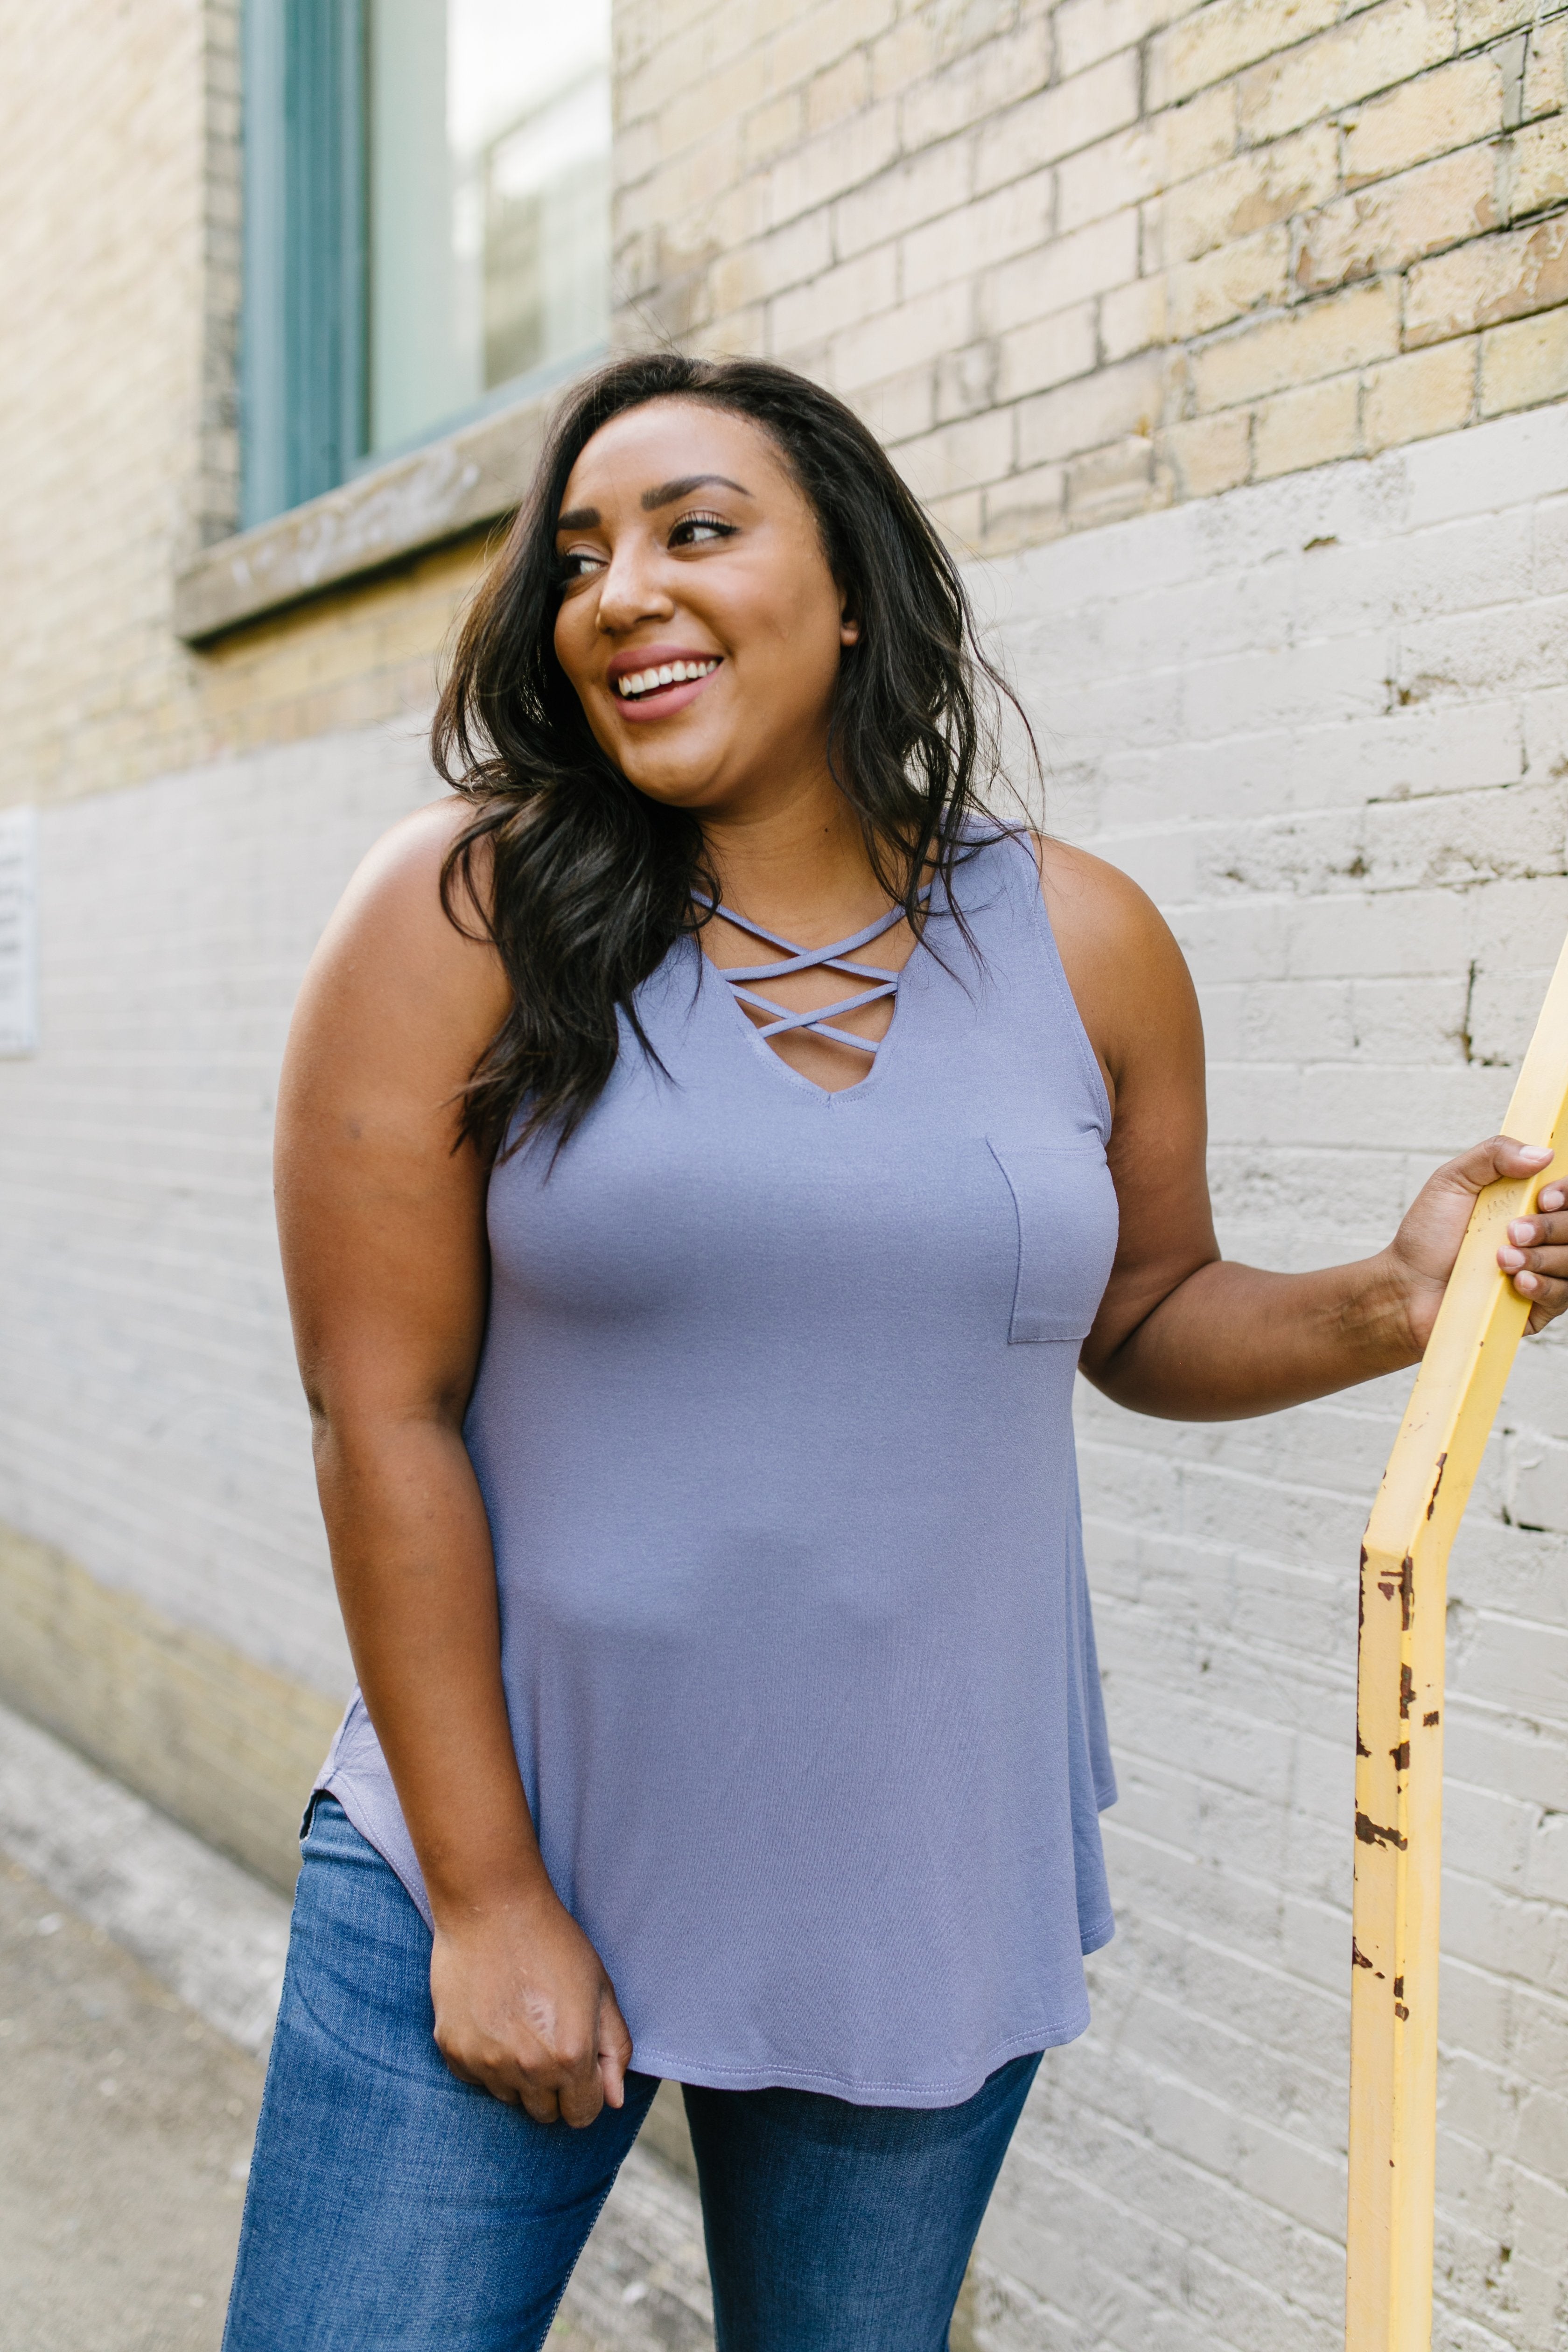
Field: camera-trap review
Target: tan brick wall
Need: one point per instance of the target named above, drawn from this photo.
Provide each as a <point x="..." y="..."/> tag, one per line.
<point x="1075" y="260"/>
<point x="369" y="652"/>
<point x="120" y="211"/>
<point x="215" y="509"/>
<point x="1072" y="261"/>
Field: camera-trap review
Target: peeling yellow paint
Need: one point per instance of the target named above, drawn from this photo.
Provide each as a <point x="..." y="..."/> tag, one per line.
<point x="1399" y="1733"/>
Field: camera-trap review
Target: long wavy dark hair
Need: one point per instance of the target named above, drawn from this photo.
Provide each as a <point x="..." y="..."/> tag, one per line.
<point x="590" y="882"/>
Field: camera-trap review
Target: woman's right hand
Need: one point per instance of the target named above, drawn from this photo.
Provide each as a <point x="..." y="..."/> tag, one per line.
<point x="525" y="2010"/>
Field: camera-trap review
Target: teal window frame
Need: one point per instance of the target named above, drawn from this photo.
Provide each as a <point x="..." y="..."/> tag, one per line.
<point x="302" y="378"/>
<point x="304" y="345"/>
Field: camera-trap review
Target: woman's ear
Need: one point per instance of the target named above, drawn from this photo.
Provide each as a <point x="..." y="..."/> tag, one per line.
<point x="849" y="626"/>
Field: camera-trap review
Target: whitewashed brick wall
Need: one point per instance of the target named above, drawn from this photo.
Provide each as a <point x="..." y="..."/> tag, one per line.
<point x="1325" y="722"/>
<point x="150" y="1419"/>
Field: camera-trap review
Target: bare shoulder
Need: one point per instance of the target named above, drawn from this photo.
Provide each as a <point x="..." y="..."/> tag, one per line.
<point x="400" y="876"/>
<point x="392" y="956"/>
<point x="1128" y="976"/>
<point x="1094" y="906"/>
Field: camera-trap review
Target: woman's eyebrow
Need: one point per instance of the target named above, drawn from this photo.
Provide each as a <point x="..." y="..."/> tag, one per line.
<point x="588" y="518"/>
<point x="668" y="492"/>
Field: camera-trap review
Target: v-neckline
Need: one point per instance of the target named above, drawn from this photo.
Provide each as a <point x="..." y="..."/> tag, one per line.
<point x="837" y="955"/>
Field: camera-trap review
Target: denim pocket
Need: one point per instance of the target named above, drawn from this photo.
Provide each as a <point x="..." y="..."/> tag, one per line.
<point x="1066" y="1207"/>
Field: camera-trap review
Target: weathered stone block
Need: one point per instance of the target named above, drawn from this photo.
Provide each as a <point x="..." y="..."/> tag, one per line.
<point x="1015" y="219"/>
<point x="1420" y="393"/>
<point x="1250" y="192"/>
<point x="1322" y="338"/>
<point x="959" y="457"/>
<point x="1305" y="427"/>
<point x="1063" y="270"/>
<point x="1249" y="274"/>
<point x="922" y="187"/>
<point x="1540" y="166"/>
<point x="1046" y="352"/>
<point x="1368" y="53"/>
<point x="1502" y="277"/>
<point x="1207" y="454"/>
<point x="1210" y="45"/>
<point x="1445" y="109"/>
<point x="1388" y="225"/>
<point x="1524" y="362"/>
<point x="1133" y="317"/>
<point x="857" y="291"/>
<point x="972" y="88"/>
<point x="1059" y="120"/>
<point x="1085" y="414"/>
<point x="834" y="162"/>
<point x="1125" y="169"/>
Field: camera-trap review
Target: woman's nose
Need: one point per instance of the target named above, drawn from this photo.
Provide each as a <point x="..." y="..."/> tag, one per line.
<point x="632" y="590"/>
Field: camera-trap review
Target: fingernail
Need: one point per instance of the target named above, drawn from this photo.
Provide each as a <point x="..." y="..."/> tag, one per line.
<point x="1521" y="1232"/>
<point x="1510" y="1258"/>
<point x="1537" y="1151"/>
<point x="1525" y="1282"/>
<point x="1552" y="1198"/>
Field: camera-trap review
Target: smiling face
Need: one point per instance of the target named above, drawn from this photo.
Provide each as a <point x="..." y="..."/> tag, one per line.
<point x="699" y="623"/>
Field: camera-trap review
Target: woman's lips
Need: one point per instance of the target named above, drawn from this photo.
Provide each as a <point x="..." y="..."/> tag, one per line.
<point x="662" y="701"/>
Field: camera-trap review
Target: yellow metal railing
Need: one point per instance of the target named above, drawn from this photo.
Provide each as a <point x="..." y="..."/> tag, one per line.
<point x="1399" y="1734"/>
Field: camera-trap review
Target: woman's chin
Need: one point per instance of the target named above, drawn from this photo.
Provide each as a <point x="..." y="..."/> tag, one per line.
<point x="681" y="774"/>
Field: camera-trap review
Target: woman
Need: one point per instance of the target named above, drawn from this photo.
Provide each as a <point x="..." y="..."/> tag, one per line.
<point x="708" y="1146"/>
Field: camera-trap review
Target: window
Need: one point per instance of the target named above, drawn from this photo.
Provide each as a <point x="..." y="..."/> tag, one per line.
<point x="426" y="222"/>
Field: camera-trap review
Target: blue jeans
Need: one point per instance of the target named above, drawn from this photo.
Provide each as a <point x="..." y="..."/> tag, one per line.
<point x="392" y="2206"/>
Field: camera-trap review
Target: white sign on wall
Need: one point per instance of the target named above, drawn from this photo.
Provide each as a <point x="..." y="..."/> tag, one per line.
<point x="18" y="931"/>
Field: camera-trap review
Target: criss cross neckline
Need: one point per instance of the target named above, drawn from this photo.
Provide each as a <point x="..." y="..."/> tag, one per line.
<point x="779" y="1020"/>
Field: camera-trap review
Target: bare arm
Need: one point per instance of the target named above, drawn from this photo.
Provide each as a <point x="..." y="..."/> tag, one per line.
<point x="1181" y="1331"/>
<point x="382" y="1225"/>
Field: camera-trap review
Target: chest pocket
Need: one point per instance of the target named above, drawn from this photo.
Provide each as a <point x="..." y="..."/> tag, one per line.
<point x="1066" y="1207"/>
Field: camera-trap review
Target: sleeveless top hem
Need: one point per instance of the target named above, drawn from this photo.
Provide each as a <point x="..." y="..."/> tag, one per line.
<point x="856" y="2091"/>
<point x="671" y="2065"/>
<point x="369" y="1821"/>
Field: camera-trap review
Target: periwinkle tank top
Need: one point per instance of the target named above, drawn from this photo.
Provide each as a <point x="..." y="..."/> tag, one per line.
<point x="774" y="1429"/>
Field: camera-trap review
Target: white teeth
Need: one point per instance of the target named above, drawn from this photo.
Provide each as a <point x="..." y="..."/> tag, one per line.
<point x="647" y="681"/>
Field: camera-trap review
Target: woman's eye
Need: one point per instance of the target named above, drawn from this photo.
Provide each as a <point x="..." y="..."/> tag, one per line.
<point x="692" y="530"/>
<point x="576" y="564"/>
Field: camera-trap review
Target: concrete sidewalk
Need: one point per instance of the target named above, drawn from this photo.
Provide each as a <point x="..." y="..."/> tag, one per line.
<point x="139" y="1974"/>
<point x="125" y="2128"/>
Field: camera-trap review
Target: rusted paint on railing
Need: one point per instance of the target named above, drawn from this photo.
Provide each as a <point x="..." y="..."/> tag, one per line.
<point x="1399" y="1733"/>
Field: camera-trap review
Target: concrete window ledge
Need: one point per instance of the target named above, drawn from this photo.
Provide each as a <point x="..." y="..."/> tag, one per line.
<point x="436" y="493"/>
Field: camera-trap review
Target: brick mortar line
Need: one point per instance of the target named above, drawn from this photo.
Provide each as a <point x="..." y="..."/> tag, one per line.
<point x="1236" y="331"/>
<point x="1540" y="1996"/>
<point x="1298" y="48"/>
<point x="1214" y="2102"/>
<point x="1146" y="119"/>
<point x="1200" y="2173"/>
<point x="1508" y="2163"/>
<point x="1252" y="1964"/>
<point x="1497" y="2073"/>
<point x="1216" y="1867"/>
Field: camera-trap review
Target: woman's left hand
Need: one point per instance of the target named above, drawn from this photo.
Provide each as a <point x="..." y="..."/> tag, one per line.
<point x="1423" y="1252"/>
